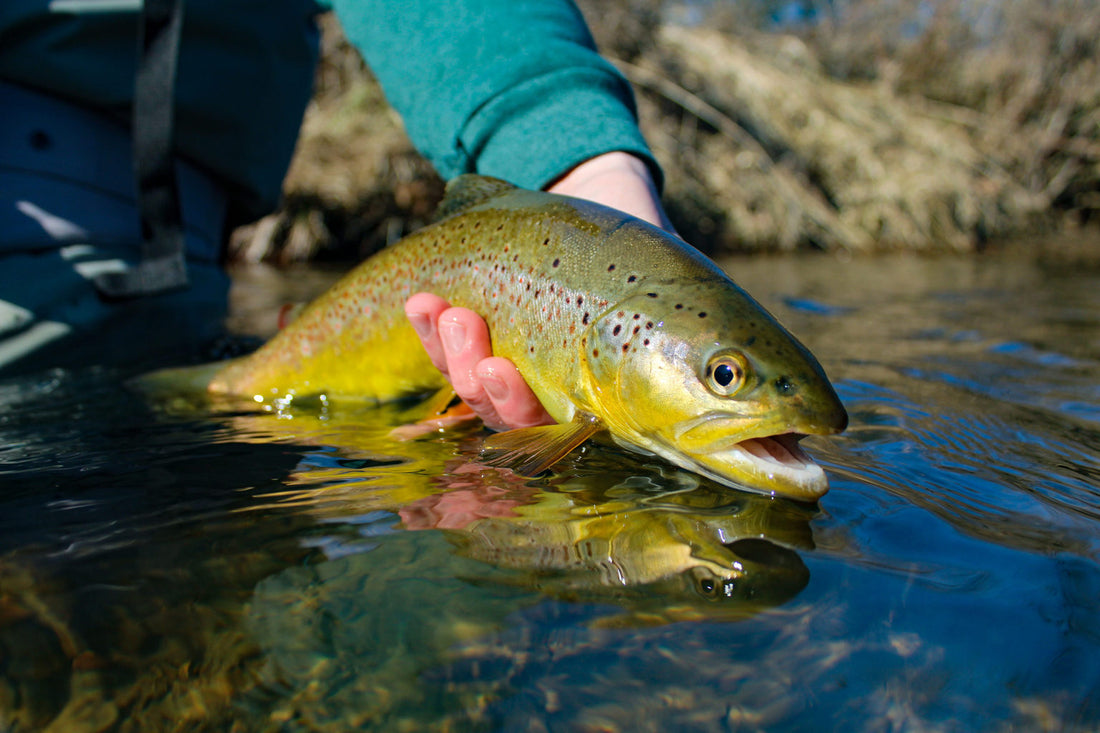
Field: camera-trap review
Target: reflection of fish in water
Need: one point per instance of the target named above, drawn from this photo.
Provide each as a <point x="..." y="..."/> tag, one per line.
<point x="619" y="327"/>
<point x="665" y="557"/>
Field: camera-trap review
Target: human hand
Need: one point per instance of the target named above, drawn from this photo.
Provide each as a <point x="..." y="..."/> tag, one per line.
<point x="457" y="339"/>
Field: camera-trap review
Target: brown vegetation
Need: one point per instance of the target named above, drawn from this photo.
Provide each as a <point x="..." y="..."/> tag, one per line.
<point x="881" y="128"/>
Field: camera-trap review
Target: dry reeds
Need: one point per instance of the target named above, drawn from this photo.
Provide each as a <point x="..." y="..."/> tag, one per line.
<point x="882" y="126"/>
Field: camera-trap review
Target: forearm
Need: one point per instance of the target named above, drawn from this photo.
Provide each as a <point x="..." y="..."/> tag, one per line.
<point x="508" y="88"/>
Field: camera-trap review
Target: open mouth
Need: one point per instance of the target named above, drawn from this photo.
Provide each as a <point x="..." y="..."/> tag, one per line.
<point x="780" y="459"/>
<point x="774" y="464"/>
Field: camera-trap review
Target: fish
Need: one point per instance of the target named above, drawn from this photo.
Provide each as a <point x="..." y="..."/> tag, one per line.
<point x="623" y="331"/>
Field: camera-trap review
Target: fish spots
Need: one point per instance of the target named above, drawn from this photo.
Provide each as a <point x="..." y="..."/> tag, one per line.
<point x="783" y="385"/>
<point x="596" y="353"/>
<point x="584" y="320"/>
<point x="632" y="278"/>
<point x="651" y="295"/>
<point x="645" y="342"/>
<point x="580" y="300"/>
<point x="702" y="314"/>
<point x="556" y="262"/>
<point x="617" y="330"/>
<point x="611" y="268"/>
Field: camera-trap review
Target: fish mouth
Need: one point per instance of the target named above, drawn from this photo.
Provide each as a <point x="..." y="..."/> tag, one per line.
<point x="781" y="462"/>
<point x="769" y="464"/>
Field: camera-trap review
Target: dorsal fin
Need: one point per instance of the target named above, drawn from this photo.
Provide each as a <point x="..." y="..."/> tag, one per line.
<point x="469" y="190"/>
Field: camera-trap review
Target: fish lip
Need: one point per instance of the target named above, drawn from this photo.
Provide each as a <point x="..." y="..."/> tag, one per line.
<point x="762" y="460"/>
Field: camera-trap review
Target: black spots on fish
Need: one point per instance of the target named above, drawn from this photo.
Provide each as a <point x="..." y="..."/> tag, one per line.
<point x="679" y="306"/>
<point x="632" y="278"/>
<point x="702" y="314"/>
<point x="645" y="342"/>
<point x="556" y="262"/>
<point x="617" y="330"/>
<point x="611" y="268"/>
<point x="537" y="293"/>
<point x="649" y="325"/>
<point x="626" y="347"/>
<point x="637" y="316"/>
<point x="749" y="341"/>
<point x="636" y="329"/>
<point x="546" y="241"/>
<point x="596" y="353"/>
<point x="784" y="386"/>
<point x="580" y="300"/>
<point x="584" y="320"/>
<point x="651" y="295"/>
<point x="531" y="349"/>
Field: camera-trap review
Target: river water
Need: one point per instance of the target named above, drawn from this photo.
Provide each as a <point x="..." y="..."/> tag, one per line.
<point x="181" y="566"/>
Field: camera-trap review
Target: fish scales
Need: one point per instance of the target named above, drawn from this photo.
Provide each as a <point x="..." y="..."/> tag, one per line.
<point x="618" y="327"/>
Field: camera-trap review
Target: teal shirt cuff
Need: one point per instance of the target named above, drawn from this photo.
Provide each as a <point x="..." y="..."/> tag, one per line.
<point x="507" y="88"/>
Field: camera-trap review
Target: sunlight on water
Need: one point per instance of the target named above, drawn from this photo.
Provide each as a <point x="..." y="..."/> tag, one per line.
<point x="192" y="566"/>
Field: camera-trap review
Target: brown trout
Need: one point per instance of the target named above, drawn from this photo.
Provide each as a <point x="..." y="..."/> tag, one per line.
<point x="621" y="329"/>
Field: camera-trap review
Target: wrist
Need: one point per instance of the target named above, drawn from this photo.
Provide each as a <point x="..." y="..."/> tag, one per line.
<point x="619" y="180"/>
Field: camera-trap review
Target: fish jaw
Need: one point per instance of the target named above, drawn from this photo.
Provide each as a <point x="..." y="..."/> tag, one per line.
<point x="771" y="464"/>
<point x="774" y="465"/>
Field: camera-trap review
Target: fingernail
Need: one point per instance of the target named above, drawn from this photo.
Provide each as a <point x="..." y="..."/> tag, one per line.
<point x="453" y="335"/>
<point x="422" y="324"/>
<point x="495" y="386"/>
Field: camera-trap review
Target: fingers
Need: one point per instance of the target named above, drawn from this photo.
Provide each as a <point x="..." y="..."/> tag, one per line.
<point x="423" y="311"/>
<point x="457" y="340"/>
<point x="515" y="403"/>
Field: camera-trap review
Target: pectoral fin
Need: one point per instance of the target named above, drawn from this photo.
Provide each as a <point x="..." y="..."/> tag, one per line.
<point x="530" y="451"/>
<point x="442" y="410"/>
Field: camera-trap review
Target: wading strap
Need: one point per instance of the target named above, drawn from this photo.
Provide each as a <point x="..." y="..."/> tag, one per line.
<point x="162" y="265"/>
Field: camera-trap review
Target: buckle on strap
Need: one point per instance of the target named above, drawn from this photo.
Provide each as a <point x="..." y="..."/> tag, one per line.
<point x="163" y="264"/>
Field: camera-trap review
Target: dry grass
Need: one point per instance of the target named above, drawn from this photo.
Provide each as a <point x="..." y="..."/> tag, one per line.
<point x="885" y="128"/>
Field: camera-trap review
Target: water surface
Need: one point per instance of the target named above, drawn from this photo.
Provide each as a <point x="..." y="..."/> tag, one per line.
<point x="182" y="566"/>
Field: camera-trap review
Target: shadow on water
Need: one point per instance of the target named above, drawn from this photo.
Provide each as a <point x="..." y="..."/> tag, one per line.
<point x="215" y="567"/>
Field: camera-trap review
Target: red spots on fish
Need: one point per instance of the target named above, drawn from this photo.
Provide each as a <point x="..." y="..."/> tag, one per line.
<point x="596" y="353"/>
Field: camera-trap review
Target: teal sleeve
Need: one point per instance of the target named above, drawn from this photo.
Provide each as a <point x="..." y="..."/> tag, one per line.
<point x="509" y="88"/>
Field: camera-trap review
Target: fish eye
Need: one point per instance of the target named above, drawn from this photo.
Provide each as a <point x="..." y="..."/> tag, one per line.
<point x="725" y="374"/>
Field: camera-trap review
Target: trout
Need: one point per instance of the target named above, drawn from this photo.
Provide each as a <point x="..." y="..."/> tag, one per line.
<point x="622" y="330"/>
